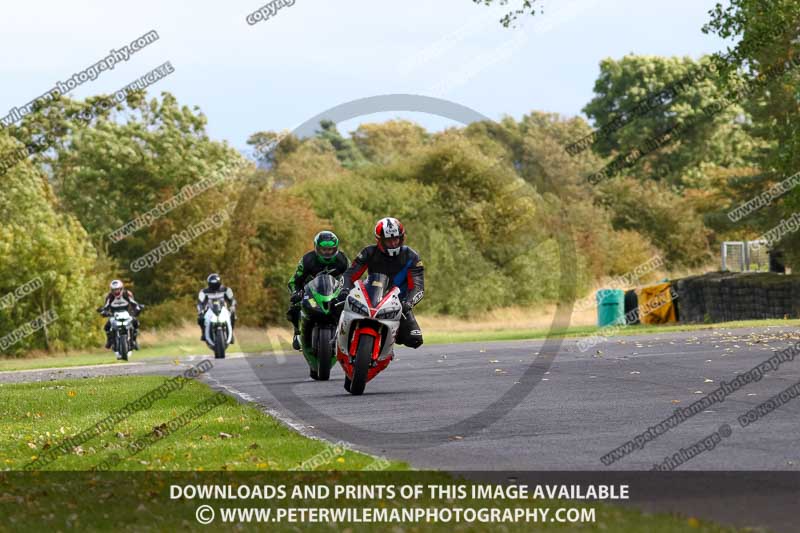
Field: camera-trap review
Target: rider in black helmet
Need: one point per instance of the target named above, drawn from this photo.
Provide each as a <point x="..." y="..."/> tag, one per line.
<point x="215" y="289"/>
<point x="325" y="257"/>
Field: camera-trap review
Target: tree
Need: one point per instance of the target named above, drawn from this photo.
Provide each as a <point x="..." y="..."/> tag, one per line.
<point x="39" y="242"/>
<point x="526" y="6"/>
<point x="774" y="109"/>
<point x="127" y="161"/>
<point x="722" y="140"/>
<point x="389" y="141"/>
<point x="346" y="150"/>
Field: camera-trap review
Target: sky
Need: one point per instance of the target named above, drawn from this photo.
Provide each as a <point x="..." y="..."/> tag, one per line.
<point x="314" y="55"/>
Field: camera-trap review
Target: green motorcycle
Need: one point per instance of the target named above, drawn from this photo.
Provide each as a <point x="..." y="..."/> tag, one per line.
<point x="319" y="319"/>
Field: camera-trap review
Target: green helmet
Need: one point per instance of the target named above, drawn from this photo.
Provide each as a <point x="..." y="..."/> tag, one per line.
<point x="326" y="245"/>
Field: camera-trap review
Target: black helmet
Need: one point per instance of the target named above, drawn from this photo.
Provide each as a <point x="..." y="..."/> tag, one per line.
<point x="214" y="282"/>
<point x="326" y="245"/>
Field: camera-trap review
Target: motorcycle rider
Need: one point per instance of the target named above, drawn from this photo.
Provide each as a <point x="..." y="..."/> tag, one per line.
<point x="325" y="257"/>
<point x="120" y="299"/>
<point x="402" y="264"/>
<point x="214" y="290"/>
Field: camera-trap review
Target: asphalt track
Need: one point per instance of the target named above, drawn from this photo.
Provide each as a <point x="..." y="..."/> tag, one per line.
<point x="586" y="404"/>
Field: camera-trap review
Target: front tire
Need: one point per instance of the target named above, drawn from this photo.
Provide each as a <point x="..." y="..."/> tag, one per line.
<point x="219" y="344"/>
<point x="361" y="366"/>
<point x="123" y="348"/>
<point x="323" y="353"/>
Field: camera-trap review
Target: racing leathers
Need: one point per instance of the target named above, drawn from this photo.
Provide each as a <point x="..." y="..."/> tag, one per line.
<point x="203" y="298"/>
<point x="307" y="269"/>
<point x="406" y="272"/>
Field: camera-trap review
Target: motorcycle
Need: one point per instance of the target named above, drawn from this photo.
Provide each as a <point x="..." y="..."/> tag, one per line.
<point x="367" y="331"/>
<point x="318" y="324"/>
<point x="218" y="329"/>
<point x="121" y="327"/>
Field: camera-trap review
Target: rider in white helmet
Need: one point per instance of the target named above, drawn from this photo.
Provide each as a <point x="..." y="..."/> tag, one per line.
<point x="119" y="299"/>
<point x="402" y="264"/>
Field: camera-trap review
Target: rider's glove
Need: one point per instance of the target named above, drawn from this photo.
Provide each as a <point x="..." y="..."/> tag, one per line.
<point x="342" y="295"/>
<point x="296" y="296"/>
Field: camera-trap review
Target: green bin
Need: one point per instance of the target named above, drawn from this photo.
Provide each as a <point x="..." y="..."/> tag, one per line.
<point x="610" y="307"/>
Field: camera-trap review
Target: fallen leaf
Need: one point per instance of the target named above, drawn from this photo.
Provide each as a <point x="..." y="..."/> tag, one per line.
<point x="224" y="435"/>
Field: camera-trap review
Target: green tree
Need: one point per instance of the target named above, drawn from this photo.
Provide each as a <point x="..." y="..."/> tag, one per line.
<point x="774" y="108"/>
<point x="390" y="140"/>
<point x="38" y="241"/>
<point x="346" y="150"/>
<point x="122" y="164"/>
<point x="723" y="140"/>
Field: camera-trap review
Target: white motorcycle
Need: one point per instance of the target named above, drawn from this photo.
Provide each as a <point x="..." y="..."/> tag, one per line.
<point x="367" y="331"/>
<point x="218" y="329"/>
<point x="121" y="324"/>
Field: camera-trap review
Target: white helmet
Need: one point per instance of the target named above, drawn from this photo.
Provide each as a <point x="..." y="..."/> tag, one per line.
<point x="116" y="287"/>
<point x="390" y="235"/>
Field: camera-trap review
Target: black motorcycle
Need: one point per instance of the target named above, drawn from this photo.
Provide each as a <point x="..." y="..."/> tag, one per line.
<point x="318" y="321"/>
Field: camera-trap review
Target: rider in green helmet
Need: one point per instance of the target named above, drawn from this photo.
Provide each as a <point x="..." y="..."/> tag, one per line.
<point x="325" y="257"/>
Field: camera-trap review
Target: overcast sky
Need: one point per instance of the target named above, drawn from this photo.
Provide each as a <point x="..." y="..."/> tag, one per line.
<point x="317" y="54"/>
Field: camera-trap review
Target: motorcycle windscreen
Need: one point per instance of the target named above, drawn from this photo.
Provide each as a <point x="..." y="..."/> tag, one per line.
<point x="324" y="285"/>
<point x="377" y="286"/>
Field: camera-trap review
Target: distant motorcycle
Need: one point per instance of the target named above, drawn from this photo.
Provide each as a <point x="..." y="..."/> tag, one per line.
<point x="367" y="331"/>
<point x="318" y="324"/>
<point x="218" y="329"/>
<point x="121" y="324"/>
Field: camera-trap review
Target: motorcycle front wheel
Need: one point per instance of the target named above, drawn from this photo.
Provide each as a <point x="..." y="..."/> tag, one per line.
<point x="323" y="353"/>
<point x="219" y="344"/>
<point x="123" y="347"/>
<point x="361" y="365"/>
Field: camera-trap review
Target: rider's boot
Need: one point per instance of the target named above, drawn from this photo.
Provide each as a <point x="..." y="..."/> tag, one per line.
<point x="109" y="340"/>
<point x="296" y="339"/>
<point x="134" y="340"/>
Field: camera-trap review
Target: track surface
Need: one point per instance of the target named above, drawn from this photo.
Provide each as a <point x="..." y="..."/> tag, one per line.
<point x="586" y="404"/>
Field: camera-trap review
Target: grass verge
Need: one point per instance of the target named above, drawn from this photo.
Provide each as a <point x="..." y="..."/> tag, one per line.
<point x="35" y="417"/>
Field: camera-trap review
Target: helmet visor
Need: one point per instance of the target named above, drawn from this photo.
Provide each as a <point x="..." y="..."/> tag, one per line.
<point x="327" y="249"/>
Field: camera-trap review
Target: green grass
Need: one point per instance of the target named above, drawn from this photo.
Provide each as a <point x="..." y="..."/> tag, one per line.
<point x="37" y="416"/>
<point x="174" y="349"/>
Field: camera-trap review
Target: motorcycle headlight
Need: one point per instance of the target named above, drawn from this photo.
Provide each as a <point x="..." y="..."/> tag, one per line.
<point x="357" y="306"/>
<point x="388" y="314"/>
